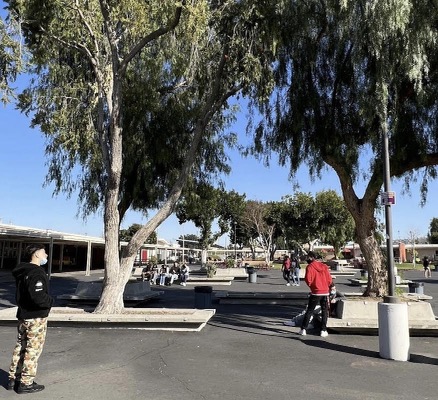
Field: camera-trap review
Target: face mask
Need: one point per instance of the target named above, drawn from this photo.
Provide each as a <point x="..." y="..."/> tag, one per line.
<point x="332" y="292"/>
<point x="43" y="261"/>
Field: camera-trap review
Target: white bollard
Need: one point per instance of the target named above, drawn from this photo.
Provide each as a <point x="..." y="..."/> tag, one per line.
<point x="394" y="331"/>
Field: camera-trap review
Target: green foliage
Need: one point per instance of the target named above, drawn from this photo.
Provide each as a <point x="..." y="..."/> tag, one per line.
<point x="190" y="241"/>
<point x="303" y="218"/>
<point x="433" y="231"/>
<point x="203" y="204"/>
<point x="299" y="219"/>
<point x="335" y="225"/>
<point x="127" y="234"/>
<point x="11" y="57"/>
<point x="211" y="270"/>
<point x="167" y="88"/>
<point x="347" y="73"/>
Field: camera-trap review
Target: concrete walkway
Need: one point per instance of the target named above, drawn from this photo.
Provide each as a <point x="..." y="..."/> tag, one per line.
<point x="244" y="352"/>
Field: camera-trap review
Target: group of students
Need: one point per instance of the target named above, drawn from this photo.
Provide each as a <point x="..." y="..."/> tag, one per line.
<point x="165" y="275"/>
<point x="291" y="269"/>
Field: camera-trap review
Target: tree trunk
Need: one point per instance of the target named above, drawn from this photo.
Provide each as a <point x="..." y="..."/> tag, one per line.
<point x="377" y="274"/>
<point x="111" y="300"/>
<point x="362" y="211"/>
<point x="203" y="257"/>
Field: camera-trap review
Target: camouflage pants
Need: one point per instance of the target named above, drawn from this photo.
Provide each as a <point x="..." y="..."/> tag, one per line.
<point x="30" y="341"/>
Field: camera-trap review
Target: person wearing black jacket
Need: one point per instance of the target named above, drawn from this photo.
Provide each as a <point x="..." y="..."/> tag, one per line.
<point x="34" y="304"/>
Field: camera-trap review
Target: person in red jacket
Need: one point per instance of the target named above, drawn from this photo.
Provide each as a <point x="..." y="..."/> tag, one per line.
<point x="318" y="279"/>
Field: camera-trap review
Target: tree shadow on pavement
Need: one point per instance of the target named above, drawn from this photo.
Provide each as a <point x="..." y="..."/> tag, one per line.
<point x="263" y="320"/>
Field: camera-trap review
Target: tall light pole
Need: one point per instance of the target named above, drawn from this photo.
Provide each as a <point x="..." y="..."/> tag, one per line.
<point x="388" y="200"/>
<point x="392" y="314"/>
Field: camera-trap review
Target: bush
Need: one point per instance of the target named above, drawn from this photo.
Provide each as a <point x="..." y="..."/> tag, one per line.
<point x="211" y="270"/>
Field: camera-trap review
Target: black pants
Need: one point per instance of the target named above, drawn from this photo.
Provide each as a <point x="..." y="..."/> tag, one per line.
<point x="286" y="275"/>
<point x="313" y="302"/>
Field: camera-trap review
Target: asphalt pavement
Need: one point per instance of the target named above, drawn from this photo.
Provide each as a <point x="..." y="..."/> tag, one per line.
<point x="244" y="352"/>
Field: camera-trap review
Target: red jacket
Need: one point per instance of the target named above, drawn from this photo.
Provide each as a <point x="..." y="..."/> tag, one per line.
<point x="286" y="263"/>
<point x="318" y="278"/>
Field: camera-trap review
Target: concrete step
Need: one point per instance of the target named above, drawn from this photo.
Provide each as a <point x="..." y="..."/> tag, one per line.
<point x="137" y="318"/>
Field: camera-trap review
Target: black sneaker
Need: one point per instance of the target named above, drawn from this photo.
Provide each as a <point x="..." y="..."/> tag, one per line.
<point x="11" y="384"/>
<point x="33" y="387"/>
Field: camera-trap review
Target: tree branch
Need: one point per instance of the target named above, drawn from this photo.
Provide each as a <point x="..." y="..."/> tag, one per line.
<point x="151" y="37"/>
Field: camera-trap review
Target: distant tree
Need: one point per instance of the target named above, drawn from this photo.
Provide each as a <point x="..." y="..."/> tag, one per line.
<point x="190" y="241"/>
<point x="433" y="231"/>
<point x="255" y="219"/>
<point x="300" y="220"/>
<point x="275" y="218"/>
<point x="127" y="234"/>
<point x="335" y="224"/>
<point x="203" y="205"/>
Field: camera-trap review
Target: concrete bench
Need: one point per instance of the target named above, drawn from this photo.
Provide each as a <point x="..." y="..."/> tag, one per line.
<point x="361" y="316"/>
<point x="236" y="273"/>
<point x="137" y="274"/>
<point x="216" y="280"/>
<point x="299" y="298"/>
<point x="363" y="282"/>
<point x="89" y="292"/>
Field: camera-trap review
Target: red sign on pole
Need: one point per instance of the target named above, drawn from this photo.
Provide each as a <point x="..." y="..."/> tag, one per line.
<point x="387" y="198"/>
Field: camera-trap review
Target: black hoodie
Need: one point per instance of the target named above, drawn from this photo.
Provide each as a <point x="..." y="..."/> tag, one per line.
<point x="32" y="295"/>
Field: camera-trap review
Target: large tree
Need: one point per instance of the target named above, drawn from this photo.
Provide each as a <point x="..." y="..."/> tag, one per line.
<point x="105" y="75"/>
<point x="348" y="74"/>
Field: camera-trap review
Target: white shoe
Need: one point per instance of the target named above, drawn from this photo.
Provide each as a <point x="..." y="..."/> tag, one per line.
<point x="184" y="284"/>
<point x="302" y="332"/>
<point x="287" y="284"/>
<point x="289" y="323"/>
<point x="324" y="334"/>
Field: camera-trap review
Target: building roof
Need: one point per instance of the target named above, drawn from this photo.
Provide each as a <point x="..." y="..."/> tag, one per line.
<point x="14" y="232"/>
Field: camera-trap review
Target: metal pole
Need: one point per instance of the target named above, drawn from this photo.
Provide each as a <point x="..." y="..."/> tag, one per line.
<point x="388" y="216"/>
<point x="235" y="243"/>
<point x="183" y="259"/>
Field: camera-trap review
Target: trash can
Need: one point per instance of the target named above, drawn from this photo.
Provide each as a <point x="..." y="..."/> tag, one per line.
<point x="203" y="296"/>
<point x="252" y="275"/>
<point x="416" y="287"/>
